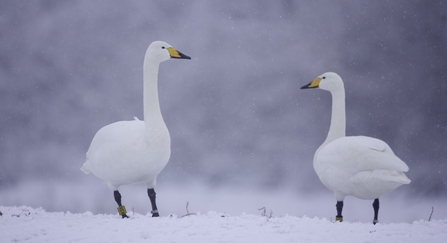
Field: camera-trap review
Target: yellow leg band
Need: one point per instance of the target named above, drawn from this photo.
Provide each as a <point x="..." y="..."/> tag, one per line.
<point x="339" y="219"/>
<point x="122" y="210"/>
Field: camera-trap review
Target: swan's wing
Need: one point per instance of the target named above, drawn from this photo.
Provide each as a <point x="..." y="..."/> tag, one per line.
<point x="362" y="154"/>
<point x="372" y="143"/>
<point x="114" y="136"/>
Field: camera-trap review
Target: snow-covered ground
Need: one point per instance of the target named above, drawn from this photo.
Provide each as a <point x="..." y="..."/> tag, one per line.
<point x="25" y="224"/>
<point x="86" y="212"/>
<point x="91" y="194"/>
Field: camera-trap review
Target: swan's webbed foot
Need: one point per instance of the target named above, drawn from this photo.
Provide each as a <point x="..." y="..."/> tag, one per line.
<point x="122" y="211"/>
<point x="155" y="214"/>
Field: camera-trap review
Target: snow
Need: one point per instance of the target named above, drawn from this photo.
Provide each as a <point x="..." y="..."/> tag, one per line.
<point x="91" y="194"/>
<point x="64" y="211"/>
<point x="25" y="224"/>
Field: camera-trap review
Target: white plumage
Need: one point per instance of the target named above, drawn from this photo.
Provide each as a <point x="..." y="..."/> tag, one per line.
<point x="359" y="166"/>
<point x="124" y="152"/>
<point x="135" y="151"/>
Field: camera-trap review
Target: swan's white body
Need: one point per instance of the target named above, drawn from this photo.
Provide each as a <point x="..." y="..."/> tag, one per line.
<point x="136" y="151"/>
<point x="362" y="167"/>
<point x="359" y="166"/>
<point x="126" y="152"/>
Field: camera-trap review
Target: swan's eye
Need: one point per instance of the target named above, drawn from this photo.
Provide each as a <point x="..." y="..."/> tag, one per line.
<point x="324" y="77"/>
<point x="162" y="47"/>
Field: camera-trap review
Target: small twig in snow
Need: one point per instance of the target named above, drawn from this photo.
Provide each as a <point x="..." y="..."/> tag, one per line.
<point x="432" y="209"/>
<point x="187" y="211"/>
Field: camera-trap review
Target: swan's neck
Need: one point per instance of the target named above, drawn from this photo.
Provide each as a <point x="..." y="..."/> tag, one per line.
<point x="338" y="118"/>
<point x="152" y="112"/>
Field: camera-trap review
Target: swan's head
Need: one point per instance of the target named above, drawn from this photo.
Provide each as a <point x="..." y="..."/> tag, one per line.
<point x="328" y="81"/>
<point x="162" y="51"/>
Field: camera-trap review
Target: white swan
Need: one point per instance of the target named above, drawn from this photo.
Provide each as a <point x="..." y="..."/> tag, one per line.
<point x="359" y="166"/>
<point x="136" y="151"/>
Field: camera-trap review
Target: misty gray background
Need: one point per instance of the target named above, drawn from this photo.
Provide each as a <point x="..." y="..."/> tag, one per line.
<point x="236" y="114"/>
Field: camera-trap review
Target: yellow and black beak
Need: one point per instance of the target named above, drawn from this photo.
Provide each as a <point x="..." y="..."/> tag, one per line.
<point x="312" y="85"/>
<point x="176" y="54"/>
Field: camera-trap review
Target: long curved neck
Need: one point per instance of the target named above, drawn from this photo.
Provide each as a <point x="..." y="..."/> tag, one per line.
<point x="152" y="112"/>
<point x="338" y="118"/>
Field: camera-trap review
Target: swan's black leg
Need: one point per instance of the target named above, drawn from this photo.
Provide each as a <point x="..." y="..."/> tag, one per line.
<point x="376" y="210"/>
<point x="151" y="193"/>
<point x="339" y="207"/>
<point x="121" y="208"/>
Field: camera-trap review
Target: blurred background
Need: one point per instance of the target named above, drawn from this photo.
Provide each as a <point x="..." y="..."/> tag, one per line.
<point x="243" y="133"/>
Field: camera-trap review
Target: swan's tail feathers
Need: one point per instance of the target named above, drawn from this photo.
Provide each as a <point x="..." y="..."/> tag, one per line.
<point x="399" y="177"/>
<point x="404" y="179"/>
<point x="392" y="176"/>
<point x="373" y="184"/>
<point x="86" y="168"/>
